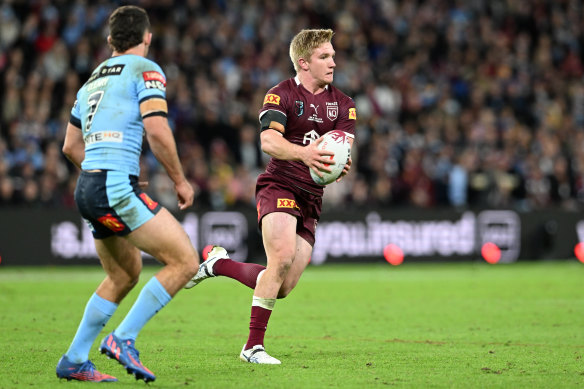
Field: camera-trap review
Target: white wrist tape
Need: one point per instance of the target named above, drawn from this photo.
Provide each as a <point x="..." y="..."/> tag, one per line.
<point x="263" y="302"/>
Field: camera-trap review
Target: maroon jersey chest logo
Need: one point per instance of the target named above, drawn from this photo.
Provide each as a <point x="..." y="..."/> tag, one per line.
<point x="299" y="107"/>
<point x="332" y="111"/>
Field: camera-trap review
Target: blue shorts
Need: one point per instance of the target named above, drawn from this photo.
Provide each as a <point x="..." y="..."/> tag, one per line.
<point x="112" y="203"/>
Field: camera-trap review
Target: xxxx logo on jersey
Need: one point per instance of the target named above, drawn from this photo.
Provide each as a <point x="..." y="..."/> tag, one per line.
<point x="287" y="203"/>
<point x="111" y="222"/>
<point x="352" y="113"/>
<point x="272" y="99"/>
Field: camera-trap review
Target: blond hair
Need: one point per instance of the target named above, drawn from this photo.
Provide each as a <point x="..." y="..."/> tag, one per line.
<point x="304" y="43"/>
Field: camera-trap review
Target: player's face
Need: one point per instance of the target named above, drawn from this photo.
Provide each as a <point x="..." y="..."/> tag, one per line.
<point x="322" y="63"/>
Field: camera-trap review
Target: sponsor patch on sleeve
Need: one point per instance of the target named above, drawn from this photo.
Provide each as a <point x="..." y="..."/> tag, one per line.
<point x="153" y="79"/>
<point x="272" y="99"/>
<point x="352" y="114"/>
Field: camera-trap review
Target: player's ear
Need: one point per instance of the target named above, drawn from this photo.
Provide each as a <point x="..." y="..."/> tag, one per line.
<point x="304" y="64"/>
<point x="147" y="38"/>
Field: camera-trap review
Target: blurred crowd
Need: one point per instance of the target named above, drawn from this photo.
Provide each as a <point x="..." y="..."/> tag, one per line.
<point x="459" y="103"/>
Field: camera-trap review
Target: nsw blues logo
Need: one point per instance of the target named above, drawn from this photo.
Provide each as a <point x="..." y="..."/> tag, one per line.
<point x="299" y="109"/>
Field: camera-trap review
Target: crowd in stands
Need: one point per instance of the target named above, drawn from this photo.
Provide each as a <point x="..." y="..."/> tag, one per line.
<point x="459" y="103"/>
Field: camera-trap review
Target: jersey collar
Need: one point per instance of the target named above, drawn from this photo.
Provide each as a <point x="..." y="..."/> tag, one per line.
<point x="297" y="80"/>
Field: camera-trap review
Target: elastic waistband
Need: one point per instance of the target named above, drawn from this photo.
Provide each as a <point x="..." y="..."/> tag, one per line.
<point x="105" y="171"/>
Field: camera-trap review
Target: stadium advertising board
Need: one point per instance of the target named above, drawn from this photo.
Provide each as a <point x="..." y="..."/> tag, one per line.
<point x="55" y="237"/>
<point x="438" y="238"/>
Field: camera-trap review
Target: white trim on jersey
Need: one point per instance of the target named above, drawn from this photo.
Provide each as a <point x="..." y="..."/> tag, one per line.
<point x="298" y="82"/>
<point x="275" y="110"/>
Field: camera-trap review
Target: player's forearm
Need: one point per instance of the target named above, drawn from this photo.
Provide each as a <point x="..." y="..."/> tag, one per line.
<point x="163" y="147"/>
<point x="275" y="145"/>
<point x="74" y="146"/>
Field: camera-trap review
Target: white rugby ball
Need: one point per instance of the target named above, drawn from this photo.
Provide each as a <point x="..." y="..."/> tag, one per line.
<point x="338" y="142"/>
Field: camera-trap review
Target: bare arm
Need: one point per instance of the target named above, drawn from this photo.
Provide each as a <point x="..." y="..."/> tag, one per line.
<point x="74" y="146"/>
<point x="275" y="145"/>
<point x="163" y="146"/>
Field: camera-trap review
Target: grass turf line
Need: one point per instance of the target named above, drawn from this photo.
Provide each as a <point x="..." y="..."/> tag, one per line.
<point x="416" y="325"/>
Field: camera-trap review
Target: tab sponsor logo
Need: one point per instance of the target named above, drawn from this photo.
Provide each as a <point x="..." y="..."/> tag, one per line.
<point x="154" y="76"/>
<point x="153" y="79"/>
<point x="104" y="136"/>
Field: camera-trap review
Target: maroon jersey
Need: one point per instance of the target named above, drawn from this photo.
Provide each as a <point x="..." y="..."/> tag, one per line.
<point x="308" y="117"/>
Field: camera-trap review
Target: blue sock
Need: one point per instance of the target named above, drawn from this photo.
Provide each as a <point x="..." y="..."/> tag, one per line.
<point x="152" y="299"/>
<point x="97" y="313"/>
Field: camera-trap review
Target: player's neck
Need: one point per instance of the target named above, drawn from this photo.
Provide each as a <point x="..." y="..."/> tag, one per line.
<point x="311" y="84"/>
<point x="139" y="50"/>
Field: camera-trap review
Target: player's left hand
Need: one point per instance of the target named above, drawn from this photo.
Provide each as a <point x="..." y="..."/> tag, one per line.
<point x="345" y="169"/>
<point x="185" y="194"/>
<point x="143" y="184"/>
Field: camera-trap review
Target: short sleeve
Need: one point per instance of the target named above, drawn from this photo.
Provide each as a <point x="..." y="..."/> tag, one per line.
<point x="75" y="118"/>
<point x="275" y="100"/>
<point x="151" y="82"/>
<point x="347" y="117"/>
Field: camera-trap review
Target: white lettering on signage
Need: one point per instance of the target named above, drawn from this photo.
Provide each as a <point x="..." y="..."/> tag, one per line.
<point x="415" y="238"/>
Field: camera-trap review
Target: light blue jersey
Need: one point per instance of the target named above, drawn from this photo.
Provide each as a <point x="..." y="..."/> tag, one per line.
<point x="108" y="111"/>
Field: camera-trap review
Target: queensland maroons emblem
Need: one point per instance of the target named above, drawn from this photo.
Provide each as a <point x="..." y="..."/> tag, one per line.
<point x="332" y="111"/>
<point x="299" y="109"/>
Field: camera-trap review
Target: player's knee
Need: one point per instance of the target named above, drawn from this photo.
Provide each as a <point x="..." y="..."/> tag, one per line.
<point x="191" y="267"/>
<point x="133" y="280"/>
<point x="184" y="262"/>
<point x="125" y="282"/>
<point x="283" y="267"/>
<point x="284" y="258"/>
<point x="189" y="264"/>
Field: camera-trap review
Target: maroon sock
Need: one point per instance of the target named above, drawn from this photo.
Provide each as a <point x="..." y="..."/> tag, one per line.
<point x="257" y="326"/>
<point x="246" y="273"/>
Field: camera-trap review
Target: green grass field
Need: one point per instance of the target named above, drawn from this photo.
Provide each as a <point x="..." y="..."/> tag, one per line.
<point x="345" y="326"/>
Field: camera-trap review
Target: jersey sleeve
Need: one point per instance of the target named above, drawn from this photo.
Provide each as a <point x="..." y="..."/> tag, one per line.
<point x="75" y="117"/>
<point x="275" y="107"/>
<point x="151" y="88"/>
<point x="347" y="117"/>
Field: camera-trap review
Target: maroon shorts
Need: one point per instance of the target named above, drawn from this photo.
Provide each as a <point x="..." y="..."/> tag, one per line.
<point x="275" y="194"/>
